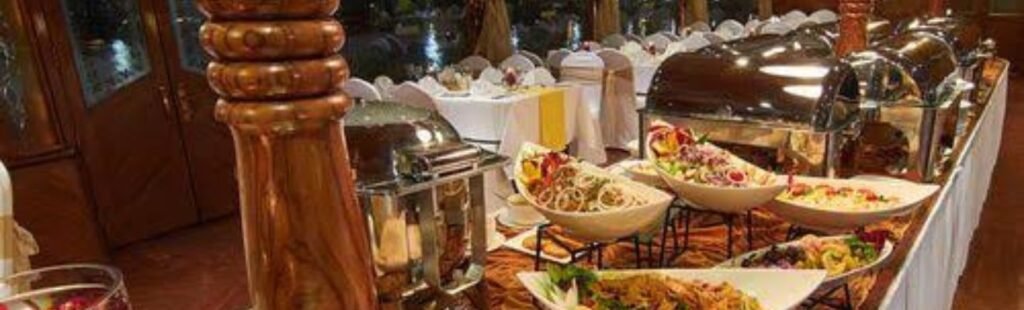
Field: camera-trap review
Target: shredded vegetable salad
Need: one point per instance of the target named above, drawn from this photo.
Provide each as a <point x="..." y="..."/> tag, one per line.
<point x="830" y="197"/>
<point x="677" y="152"/>
<point x="557" y="182"/>
<point x="835" y="256"/>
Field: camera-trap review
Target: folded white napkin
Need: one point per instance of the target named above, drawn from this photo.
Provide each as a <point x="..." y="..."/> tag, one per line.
<point x="432" y="86"/>
<point x="492" y="75"/>
<point x="482" y="88"/>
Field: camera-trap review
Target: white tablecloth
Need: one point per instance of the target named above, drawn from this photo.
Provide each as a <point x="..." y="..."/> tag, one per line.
<point x="509" y="121"/>
<point x="929" y="276"/>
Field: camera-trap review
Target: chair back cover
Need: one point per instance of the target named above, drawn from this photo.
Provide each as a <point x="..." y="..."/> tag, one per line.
<point x="714" y="38"/>
<point x="412" y="94"/>
<point x="794" y="19"/>
<point x="491" y="75"/>
<point x="539" y="76"/>
<point x="359" y="88"/>
<point x="823" y="16"/>
<point x="618" y="116"/>
<point x="537" y="62"/>
<point x="775" y="28"/>
<point x="555" y="58"/>
<point x="671" y="35"/>
<point x="384" y="85"/>
<point x="475" y="64"/>
<point x="518" y="62"/>
<point x="695" y="42"/>
<point x="659" y="41"/>
<point x="730" y="29"/>
<point x="17" y="243"/>
<point x="614" y="40"/>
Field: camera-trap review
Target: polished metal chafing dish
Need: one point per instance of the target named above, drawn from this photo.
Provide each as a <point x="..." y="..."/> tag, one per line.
<point x="783" y="103"/>
<point x="911" y="91"/>
<point x="964" y="35"/>
<point x="422" y="190"/>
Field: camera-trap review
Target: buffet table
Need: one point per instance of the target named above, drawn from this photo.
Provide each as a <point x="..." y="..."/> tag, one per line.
<point x="931" y="250"/>
<point x="927" y="278"/>
<point x="506" y="121"/>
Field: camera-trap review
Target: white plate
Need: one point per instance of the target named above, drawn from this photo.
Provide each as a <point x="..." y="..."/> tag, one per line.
<point x="910" y="195"/>
<point x="606" y="225"/>
<point x="626" y="168"/>
<point x="774" y="289"/>
<point x="516" y="244"/>
<point x="506" y="220"/>
<point x="829" y="282"/>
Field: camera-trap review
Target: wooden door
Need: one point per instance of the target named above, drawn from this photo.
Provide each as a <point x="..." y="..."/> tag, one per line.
<point x="208" y="142"/>
<point x="111" y="63"/>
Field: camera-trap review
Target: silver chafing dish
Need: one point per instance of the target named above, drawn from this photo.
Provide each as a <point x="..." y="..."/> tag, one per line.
<point x="422" y="190"/>
<point x="911" y="93"/>
<point x="783" y="103"/>
<point x="964" y="35"/>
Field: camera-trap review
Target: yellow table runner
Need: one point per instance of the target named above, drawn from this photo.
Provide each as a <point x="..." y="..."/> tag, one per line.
<point x="551" y="117"/>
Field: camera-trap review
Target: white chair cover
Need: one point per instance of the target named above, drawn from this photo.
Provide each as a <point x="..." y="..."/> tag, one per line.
<point x="673" y="48"/>
<point x="776" y="28"/>
<point x="16" y="243"/>
<point x="412" y="94"/>
<point x="618" y="116"/>
<point x="794" y="19"/>
<point x="751" y="26"/>
<point x="715" y="38"/>
<point x="694" y="42"/>
<point x="492" y="75"/>
<point x="384" y="86"/>
<point x="730" y="29"/>
<point x="555" y="58"/>
<point x="518" y="62"/>
<point x="475" y="63"/>
<point x="361" y="89"/>
<point x="823" y="16"/>
<point x="432" y="86"/>
<point x="583" y="60"/>
<point x="614" y="40"/>
<point x="537" y="62"/>
<point x="660" y="41"/>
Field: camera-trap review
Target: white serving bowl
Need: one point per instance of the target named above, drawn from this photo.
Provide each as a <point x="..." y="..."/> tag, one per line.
<point x="725" y="199"/>
<point x="606" y="225"/>
<point x="910" y="195"/>
<point x="774" y="289"/>
<point x="628" y="168"/>
<point x="829" y="282"/>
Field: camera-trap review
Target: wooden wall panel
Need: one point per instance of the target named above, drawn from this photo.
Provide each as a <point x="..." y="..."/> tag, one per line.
<point x="50" y="201"/>
<point x="1007" y="31"/>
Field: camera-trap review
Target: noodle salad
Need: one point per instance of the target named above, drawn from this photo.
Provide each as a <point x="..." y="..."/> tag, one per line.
<point x="557" y="182"/>
<point x="829" y="197"/>
<point x="836" y="256"/>
<point x="678" y="153"/>
<point x="576" y="288"/>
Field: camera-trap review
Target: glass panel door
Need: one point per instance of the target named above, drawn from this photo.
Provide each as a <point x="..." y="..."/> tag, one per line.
<point x="109" y="45"/>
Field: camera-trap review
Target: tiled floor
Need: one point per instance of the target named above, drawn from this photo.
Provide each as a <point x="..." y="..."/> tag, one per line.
<point x="203" y="267"/>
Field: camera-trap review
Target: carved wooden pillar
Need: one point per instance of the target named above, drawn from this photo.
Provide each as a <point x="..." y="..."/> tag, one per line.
<point x="853" y="26"/>
<point x="764" y="9"/>
<point x="700" y="11"/>
<point x="277" y="71"/>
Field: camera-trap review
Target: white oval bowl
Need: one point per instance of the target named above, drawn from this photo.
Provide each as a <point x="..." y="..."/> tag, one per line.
<point x="911" y="195"/>
<point x="774" y="289"/>
<point x="605" y="225"/>
<point x="829" y="282"/>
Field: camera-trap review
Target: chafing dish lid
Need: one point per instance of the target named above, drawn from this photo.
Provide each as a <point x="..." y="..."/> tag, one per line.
<point x="790" y="81"/>
<point x="924" y="58"/>
<point x="960" y="32"/>
<point x="878" y="29"/>
<point x="376" y="132"/>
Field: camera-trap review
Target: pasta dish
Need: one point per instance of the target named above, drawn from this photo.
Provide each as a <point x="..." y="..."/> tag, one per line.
<point x="557" y="182"/>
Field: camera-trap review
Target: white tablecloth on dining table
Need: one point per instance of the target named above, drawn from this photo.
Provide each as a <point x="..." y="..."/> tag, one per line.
<point x="508" y="121"/>
<point x="928" y="277"/>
